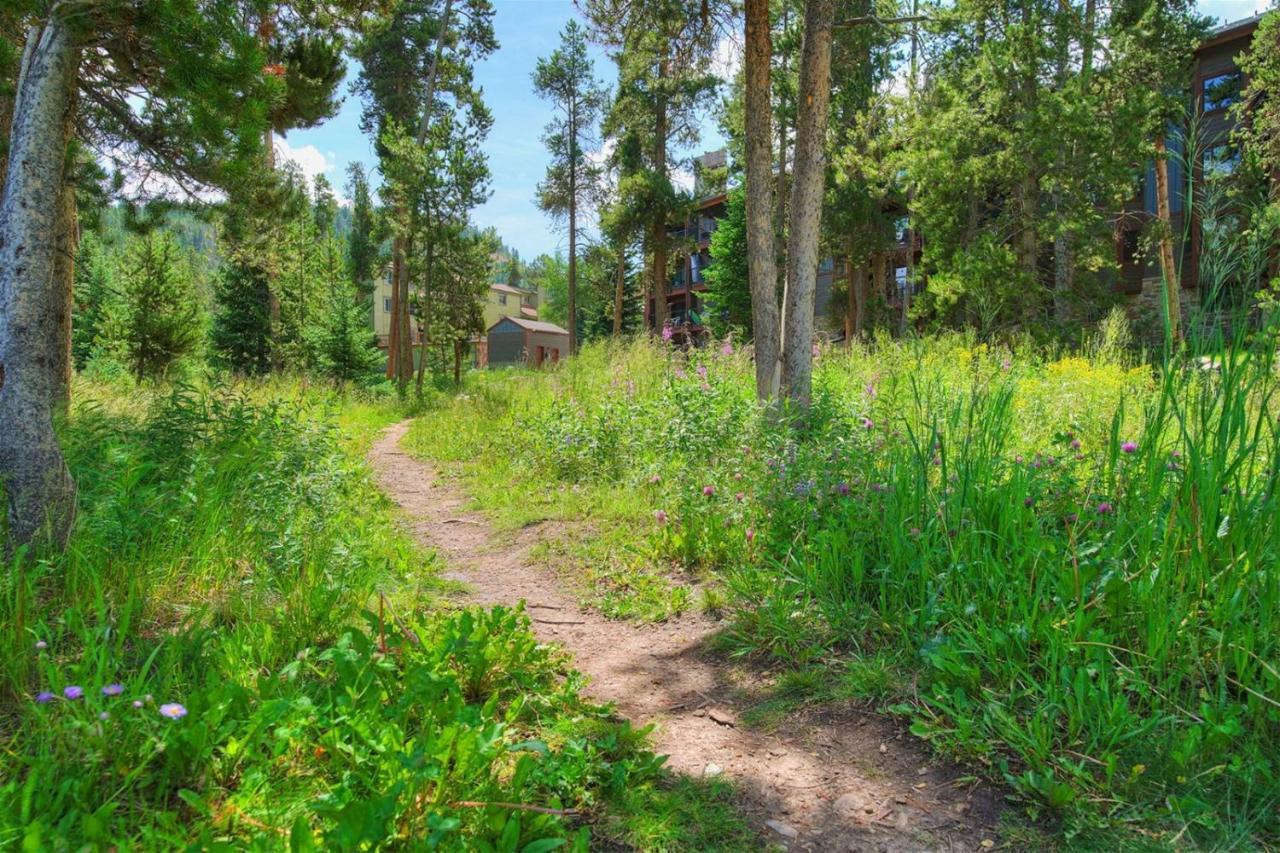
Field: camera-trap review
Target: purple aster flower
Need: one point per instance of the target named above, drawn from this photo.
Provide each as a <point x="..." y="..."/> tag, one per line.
<point x="867" y="423"/>
<point x="113" y="690"/>
<point x="727" y="349"/>
<point x="72" y="692"/>
<point x="708" y="491"/>
<point x="1075" y="444"/>
<point x="869" y="390"/>
<point x="702" y="371"/>
<point x="843" y="489"/>
<point x="660" y="516"/>
<point x="1129" y="447"/>
<point x="173" y="711"/>
<point x="41" y="645"/>
<point x="1104" y="508"/>
<point x="667" y="333"/>
<point x="44" y="697"/>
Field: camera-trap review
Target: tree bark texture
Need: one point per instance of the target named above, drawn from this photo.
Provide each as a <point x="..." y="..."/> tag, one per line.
<point x="1168" y="269"/>
<point x="762" y="258"/>
<point x="808" y="174"/>
<point x="658" y="228"/>
<point x="39" y="491"/>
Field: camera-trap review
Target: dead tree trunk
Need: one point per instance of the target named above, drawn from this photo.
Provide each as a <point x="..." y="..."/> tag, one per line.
<point x="37" y="484"/>
<point x="762" y="259"/>
<point x="1168" y="269"/>
<point x="807" y="179"/>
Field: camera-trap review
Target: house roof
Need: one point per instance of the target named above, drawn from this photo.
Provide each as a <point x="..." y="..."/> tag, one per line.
<point x="533" y="325"/>
<point x="506" y="288"/>
<point x="1229" y="31"/>
<point x="529" y="311"/>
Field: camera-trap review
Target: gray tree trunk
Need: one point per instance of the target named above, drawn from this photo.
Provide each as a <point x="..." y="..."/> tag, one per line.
<point x="38" y="487"/>
<point x="807" y="176"/>
<point x="762" y="259"/>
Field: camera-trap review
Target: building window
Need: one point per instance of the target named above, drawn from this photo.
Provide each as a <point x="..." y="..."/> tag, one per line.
<point x="502" y="299"/>
<point x="1222" y="90"/>
<point x="900" y="280"/>
<point x="386" y="304"/>
<point x="901" y="224"/>
<point x="1220" y="161"/>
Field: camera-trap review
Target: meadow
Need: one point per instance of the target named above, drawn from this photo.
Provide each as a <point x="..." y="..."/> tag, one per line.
<point x="1060" y="566"/>
<point x="240" y="649"/>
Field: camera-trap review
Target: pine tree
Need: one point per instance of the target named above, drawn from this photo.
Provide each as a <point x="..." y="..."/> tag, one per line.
<point x="362" y="243"/>
<point x="95" y="296"/>
<point x="567" y="79"/>
<point x="158" y="320"/>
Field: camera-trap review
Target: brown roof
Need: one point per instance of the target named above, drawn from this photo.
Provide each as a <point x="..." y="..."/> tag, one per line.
<point x="534" y="326"/>
<point x="529" y="311"/>
<point x="506" y="288"/>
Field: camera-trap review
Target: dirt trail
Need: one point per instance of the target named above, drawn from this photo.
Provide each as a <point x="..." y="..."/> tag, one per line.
<point x="840" y="781"/>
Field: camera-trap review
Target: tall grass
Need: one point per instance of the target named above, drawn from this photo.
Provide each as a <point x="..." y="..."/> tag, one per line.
<point x="260" y="655"/>
<point x="1077" y="555"/>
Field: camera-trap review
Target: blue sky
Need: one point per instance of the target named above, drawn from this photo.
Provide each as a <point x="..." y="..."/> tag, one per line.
<point x="526" y="30"/>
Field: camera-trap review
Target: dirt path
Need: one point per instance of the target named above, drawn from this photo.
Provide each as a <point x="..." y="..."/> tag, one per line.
<point x="839" y="781"/>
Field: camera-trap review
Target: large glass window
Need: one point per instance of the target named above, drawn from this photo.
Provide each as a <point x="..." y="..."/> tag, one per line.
<point x="1220" y="161"/>
<point x="1222" y="90"/>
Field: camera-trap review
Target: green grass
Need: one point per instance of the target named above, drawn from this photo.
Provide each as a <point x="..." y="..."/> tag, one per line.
<point x="232" y="555"/>
<point x="1071" y="558"/>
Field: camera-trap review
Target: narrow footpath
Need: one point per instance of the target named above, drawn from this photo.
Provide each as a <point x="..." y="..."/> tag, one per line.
<point x="846" y="780"/>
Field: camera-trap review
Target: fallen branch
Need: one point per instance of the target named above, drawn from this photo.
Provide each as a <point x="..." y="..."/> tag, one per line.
<point x="478" y="804"/>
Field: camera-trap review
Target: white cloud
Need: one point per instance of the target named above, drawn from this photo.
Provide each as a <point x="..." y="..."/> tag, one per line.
<point x="728" y="57"/>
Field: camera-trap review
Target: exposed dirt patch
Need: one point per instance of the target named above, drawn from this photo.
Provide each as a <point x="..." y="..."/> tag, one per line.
<point x="832" y="780"/>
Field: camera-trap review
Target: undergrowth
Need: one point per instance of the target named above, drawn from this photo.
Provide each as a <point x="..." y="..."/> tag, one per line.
<point x="1072" y="558"/>
<point x="239" y="648"/>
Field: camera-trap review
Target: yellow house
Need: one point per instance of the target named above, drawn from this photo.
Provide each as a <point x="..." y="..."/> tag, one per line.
<point x="507" y="301"/>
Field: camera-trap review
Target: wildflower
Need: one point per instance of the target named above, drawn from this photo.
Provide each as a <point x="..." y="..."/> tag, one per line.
<point x="727" y="349"/>
<point x="41" y="645"/>
<point x="708" y="490"/>
<point x="660" y="515"/>
<point x="842" y="489"/>
<point x="113" y="690"/>
<point x="937" y="460"/>
<point x="867" y="423"/>
<point x="737" y="475"/>
<point x="1006" y="364"/>
<point x="1104" y="508"/>
<point x="149" y="698"/>
<point x="72" y="692"/>
<point x="137" y="703"/>
<point x="104" y="716"/>
<point x="740" y="497"/>
<point x="1129" y="447"/>
<point x="751" y="535"/>
<point x="173" y="711"/>
<point x="44" y="697"/>
<point x="667" y="332"/>
<point x="915" y="532"/>
<point x="870" y="390"/>
<point x="702" y="371"/>
<point x="1075" y="444"/>
<point x="1071" y="518"/>
<point x="1177" y="454"/>
<point x="1028" y="501"/>
<point x="680" y="373"/>
<point x="705" y="387"/>
<point x="878" y="487"/>
<point x="815" y="350"/>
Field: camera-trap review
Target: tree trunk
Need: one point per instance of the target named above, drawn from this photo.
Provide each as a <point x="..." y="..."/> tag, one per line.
<point x="658" y="228"/>
<point x="424" y="328"/>
<point x="1168" y="269"/>
<point x="1028" y="193"/>
<point x="762" y="258"/>
<point x="404" y="358"/>
<point x="393" y="322"/>
<point x="457" y="364"/>
<point x="573" y="251"/>
<point x="618" y="287"/>
<point x="37" y="484"/>
<point x="64" y="280"/>
<point x="808" y="175"/>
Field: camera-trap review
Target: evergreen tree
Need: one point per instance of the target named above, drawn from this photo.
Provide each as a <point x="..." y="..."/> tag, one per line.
<point x="567" y="79"/>
<point x="362" y="242"/>
<point x="728" y="285"/>
<point x="241" y="332"/>
<point x="95" y="298"/>
<point x="158" y="320"/>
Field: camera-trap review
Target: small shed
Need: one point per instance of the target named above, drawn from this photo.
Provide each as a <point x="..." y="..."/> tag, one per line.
<point x="516" y="340"/>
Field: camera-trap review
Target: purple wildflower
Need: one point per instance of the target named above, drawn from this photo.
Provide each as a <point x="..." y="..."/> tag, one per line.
<point x="660" y="515"/>
<point x="702" y="371"/>
<point x="41" y="645"/>
<point x="1071" y="518"/>
<point x="72" y="692"/>
<point x="667" y="332"/>
<point x="708" y="490"/>
<point x="867" y="423"/>
<point x="870" y="390"/>
<point x="842" y="489"/>
<point x="815" y="350"/>
<point x="655" y="479"/>
<point x="740" y="497"/>
<point x="727" y="349"/>
<point x="137" y="703"/>
<point x="1028" y="501"/>
<point x="44" y="697"/>
<point x="113" y="690"/>
<point x="751" y="535"/>
<point x="1104" y="508"/>
<point x="1006" y="364"/>
<point x="679" y="373"/>
<point x="173" y="711"/>
<point x="1075" y="444"/>
<point x="1129" y="447"/>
